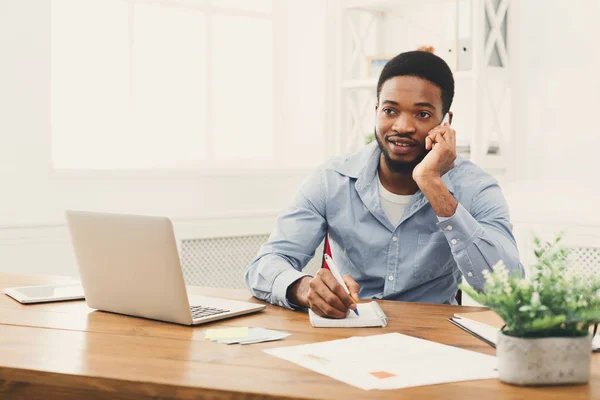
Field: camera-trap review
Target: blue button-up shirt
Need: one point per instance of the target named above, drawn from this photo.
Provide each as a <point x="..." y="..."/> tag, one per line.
<point x="422" y="258"/>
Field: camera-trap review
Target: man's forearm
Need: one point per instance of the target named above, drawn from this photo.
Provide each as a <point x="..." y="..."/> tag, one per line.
<point x="441" y="200"/>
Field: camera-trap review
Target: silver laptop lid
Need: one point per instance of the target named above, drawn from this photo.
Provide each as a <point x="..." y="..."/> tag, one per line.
<point x="129" y="264"/>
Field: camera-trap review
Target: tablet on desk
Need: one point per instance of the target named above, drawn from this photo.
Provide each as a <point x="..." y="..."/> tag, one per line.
<point x="46" y="293"/>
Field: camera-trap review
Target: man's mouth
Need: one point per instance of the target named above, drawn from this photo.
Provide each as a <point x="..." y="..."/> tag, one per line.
<point x="401" y="146"/>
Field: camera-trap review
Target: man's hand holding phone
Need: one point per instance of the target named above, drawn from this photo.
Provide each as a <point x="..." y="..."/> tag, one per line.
<point x="441" y="140"/>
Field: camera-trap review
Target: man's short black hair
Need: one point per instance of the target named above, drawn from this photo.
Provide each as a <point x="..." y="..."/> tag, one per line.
<point x="421" y="64"/>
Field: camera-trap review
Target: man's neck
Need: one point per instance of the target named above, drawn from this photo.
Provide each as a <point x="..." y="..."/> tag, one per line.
<point x="396" y="182"/>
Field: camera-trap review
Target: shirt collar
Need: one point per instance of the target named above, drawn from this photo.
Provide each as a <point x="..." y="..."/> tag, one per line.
<point x="363" y="166"/>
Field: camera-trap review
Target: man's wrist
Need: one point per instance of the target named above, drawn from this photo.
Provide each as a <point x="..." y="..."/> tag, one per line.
<point x="441" y="200"/>
<point x="297" y="292"/>
<point x="430" y="183"/>
<point x="427" y="179"/>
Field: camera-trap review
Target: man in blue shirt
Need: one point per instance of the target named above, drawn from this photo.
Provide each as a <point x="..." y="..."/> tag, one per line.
<point x="405" y="217"/>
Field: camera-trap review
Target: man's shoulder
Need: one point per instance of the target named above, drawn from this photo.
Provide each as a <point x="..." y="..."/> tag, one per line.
<point x="335" y="162"/>
<point x="351" y="165"/>
<point x="468" y="176"/>
<point x="328" y="170"/>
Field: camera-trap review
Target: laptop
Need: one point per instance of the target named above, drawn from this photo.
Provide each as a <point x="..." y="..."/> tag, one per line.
<point x="129" y="264"/>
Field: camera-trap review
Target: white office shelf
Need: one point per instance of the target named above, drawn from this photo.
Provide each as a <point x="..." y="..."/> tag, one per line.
<point x="371" y="83"/>
<point x="385" y="5"/>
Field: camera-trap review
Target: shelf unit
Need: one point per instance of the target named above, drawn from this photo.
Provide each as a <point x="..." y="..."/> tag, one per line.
<point x="474" y="45"/>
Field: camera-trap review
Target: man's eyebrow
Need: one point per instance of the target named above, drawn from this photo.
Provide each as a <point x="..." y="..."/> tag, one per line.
<point x="420" y="104"/>
<point x="425" y="104"/>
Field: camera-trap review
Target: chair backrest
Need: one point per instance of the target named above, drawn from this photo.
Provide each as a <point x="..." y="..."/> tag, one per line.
<point x="326" y="250"/>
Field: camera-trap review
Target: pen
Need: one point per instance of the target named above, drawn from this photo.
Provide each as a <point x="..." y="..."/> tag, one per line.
<point x="338" y="277"/>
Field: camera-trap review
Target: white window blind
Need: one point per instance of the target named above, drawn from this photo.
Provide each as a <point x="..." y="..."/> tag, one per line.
<point x="145" y="84"/>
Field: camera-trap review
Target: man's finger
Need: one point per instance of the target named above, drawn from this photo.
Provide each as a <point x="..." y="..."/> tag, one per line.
<point x="353" y="287"/>
<point x="338" y="291"/>
<point x="323" y="289"/>
<point x="320" y="305"/>
<point x="438" y="128"/>
<point x="452" y="136"/>
<point x="449" y="135"/>
<point x="446" y="131"/>
<point x="317" y="310"/>
<point x="435" y="138"/>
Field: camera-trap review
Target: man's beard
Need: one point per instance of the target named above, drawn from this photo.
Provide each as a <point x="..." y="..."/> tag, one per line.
<point x="400" y="166"/>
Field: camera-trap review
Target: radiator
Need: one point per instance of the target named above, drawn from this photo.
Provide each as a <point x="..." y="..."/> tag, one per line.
<point x="586" y="261"/>
<point x="221" y="262"/>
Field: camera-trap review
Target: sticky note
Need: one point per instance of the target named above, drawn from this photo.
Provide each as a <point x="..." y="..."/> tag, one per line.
<point x="226" y="333"/>
<point x="381" y="374"/>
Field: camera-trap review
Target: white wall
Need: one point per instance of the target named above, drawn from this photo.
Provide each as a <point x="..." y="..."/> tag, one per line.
<point x="559" y="89"/>
<point x="553" y="178"/>
<point x="32" y="233"/>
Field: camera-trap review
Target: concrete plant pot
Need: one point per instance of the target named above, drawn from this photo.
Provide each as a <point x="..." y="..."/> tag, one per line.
<point x="544" y="361"/>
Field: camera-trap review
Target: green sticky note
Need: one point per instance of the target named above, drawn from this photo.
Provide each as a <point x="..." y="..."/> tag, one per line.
<point x="226" y="333"/>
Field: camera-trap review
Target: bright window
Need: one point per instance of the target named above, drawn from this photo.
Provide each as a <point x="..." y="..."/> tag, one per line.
<point x="142" y="84"/>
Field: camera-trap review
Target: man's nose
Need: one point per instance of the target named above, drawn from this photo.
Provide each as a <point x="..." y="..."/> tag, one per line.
<point x="404" y="124"/>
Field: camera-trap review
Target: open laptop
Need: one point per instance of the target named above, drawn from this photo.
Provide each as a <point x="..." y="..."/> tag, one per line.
<point x="129" y="264"/>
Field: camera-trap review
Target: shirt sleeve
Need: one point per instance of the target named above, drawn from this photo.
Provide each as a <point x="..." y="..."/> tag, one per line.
<point x="480" y="238"/>
<point x="299" y="230"/>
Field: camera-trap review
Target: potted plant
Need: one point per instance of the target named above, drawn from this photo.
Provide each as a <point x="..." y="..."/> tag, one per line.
<point x="546" y="339"/>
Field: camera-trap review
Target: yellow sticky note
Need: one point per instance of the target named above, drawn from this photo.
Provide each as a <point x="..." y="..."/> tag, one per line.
<point x="227" y="333"/>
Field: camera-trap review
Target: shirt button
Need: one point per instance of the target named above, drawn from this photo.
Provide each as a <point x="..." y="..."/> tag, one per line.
<point x="449" y="227"/>
<point x="454" y="241"/>
<point x="391" y="278"/>
<point x="394" y="238"/>
<point x="470" y="274"/>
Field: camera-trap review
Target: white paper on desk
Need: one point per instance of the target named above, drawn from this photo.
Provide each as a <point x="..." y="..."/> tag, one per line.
<point x="407" y="361"/>
<point x="256" y="335"/>
<point x="490" y="333"/>
<point x="487" y="332"/>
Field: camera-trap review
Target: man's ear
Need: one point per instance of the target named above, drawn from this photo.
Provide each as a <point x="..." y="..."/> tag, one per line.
<point x="450" y="115"/>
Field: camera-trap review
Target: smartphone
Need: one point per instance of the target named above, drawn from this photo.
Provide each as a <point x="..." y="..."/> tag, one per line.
<point x="46" y="293"/>
<point x="445" y="119"/>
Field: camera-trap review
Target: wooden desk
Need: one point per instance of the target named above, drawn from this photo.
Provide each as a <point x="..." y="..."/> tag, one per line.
<point x="69" y="351"/>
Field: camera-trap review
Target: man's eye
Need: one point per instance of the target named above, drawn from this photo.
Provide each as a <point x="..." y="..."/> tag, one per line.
<point x="388" y="111"/>
<point x="424" y="114"/>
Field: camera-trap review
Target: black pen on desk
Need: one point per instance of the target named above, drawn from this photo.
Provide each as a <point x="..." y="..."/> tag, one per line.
<point x="338" y="277"/>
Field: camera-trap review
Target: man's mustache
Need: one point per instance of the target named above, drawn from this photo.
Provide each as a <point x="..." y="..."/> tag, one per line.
<point x="403" y="136"/>
<point x="398" y="135"/>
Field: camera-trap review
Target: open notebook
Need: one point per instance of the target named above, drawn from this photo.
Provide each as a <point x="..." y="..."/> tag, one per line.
<point x="370" y="315"/>
<point x="485" y="325"/>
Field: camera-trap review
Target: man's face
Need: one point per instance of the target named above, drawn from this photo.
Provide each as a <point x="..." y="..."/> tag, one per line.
<point x="408" y="109"/>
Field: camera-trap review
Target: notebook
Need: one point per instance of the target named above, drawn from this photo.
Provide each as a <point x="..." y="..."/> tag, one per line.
<point x="485" y="325"/>
<point x="371" y="314"/>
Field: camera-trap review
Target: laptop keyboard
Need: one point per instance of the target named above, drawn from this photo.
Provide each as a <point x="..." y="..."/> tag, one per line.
<point x="201" y="311"/>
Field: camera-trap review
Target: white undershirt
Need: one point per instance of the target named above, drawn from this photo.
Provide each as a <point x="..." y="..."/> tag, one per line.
<point x="393" y="204"/>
